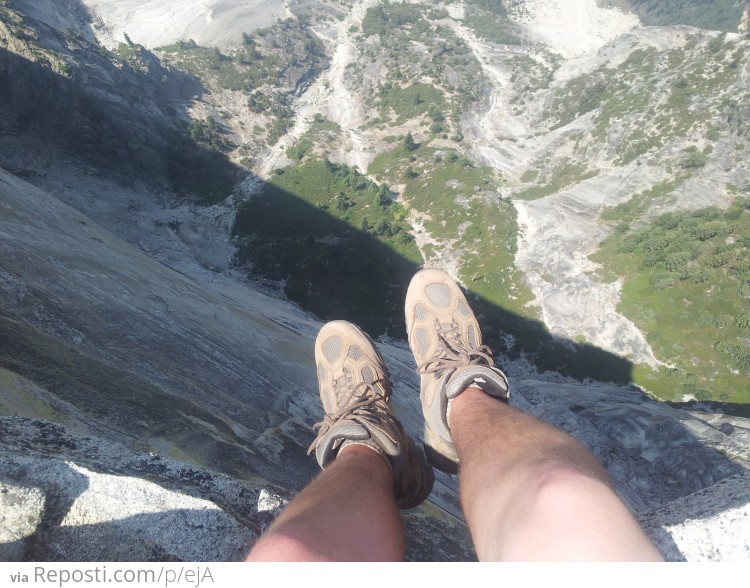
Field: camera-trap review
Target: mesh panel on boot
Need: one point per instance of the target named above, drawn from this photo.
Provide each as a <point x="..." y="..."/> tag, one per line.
<point x="332" y="348"/>
<point x="423" y="341"/>
<point x="439" y="295"/>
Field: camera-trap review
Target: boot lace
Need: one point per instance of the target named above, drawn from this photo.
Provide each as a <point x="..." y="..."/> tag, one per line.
<point x="364" y="409"/>
<point x="452" y="353"/>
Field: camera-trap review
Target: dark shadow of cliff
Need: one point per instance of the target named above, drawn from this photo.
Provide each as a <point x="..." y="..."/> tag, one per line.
<point x="728" y="408"/>
<point x="123" y="119"/>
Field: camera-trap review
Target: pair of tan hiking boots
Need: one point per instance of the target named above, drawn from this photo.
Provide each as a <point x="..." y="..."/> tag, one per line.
<point x="446" y="341"/>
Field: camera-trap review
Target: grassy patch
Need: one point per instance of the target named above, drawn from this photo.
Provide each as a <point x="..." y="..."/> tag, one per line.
<point x="298" y="150"/>
<point x="687" y="287"/>
<point x="317" y="141"/>
<point x="495" y="29"/>
<point x="401" y="104"/>
<point x="489" y="20"/>
<point x="529" y="175"/>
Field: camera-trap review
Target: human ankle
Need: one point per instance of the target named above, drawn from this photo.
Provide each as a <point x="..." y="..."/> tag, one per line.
<point x="364" y="455"/>
<point x="464" y="402"/>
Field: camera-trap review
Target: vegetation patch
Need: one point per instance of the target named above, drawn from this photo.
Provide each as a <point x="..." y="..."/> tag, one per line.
<point x="530" y="74"/>
<point x="460" y="205"/>
<point x="687" y="287"/>
<point x="401" y="104"/>
<point x="661" y="101"/>
<point x="430" y="69"/>
<point x="270" y="66"/>
<point x="209" y="134"/>
<point x="337" y="242"/>
<point x="317" y="141"/>
<point x="383" y="17"/>
<point x="276" y="57"/>
<point x="489" y="21"/>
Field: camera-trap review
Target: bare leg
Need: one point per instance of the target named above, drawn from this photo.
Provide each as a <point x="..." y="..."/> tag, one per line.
<point x="347" y="513"/>
<point x="532" y="492"/>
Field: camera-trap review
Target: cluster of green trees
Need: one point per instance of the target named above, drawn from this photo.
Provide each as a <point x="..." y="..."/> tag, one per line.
<point x="208" y="133"/>
<point x="689" y="247"/>
<point x="687" y="286"/>
<point x="278" y="107"/>
<point x="276" y="57"/>
<point x="259" y="102"/>
<point x="379" y="19"/>
<point x="409" y="102"/>
<point x="494" y="6"/>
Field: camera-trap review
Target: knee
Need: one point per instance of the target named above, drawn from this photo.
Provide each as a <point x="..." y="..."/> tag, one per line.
<point x="562" y="487"/>
<point x="572" y="513"/>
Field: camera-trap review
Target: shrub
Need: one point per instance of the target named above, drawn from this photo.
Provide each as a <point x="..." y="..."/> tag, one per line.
<point x="409" y="143"/>
<point x="675" y="261"/>
<point x="722" y="321"/>
<point x="721" y="259"/>
<point x="701" y="276"/>
<point x="702" y="395"/>
<point x="383" y="197"/>
<point x="661" y="281"/>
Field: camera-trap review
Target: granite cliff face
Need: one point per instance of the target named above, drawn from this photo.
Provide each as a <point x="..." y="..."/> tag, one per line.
<point x="154" y="405"/>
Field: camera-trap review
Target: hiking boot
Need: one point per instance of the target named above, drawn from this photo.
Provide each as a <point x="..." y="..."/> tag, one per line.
<point x="446" y="341"/>
<point x="354" y="390"/>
